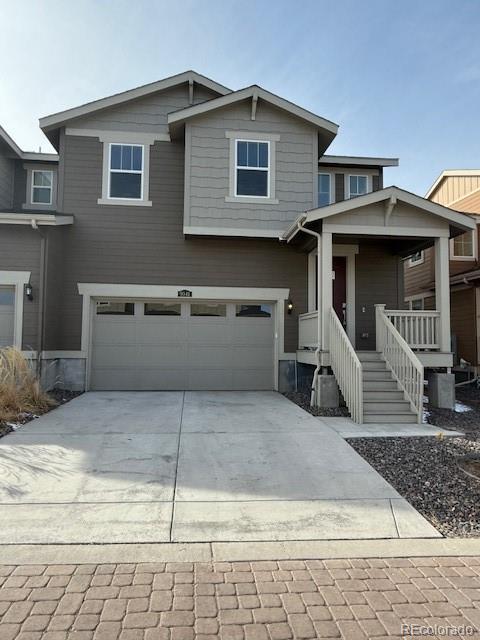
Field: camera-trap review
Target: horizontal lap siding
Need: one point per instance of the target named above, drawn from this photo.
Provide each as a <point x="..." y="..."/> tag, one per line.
<point x="7" y="170"/>
<point x="20" y="251"/>
<point x="462" y="312"/>
<point x="145" y="245"/>
<point x="210" y="164"/>
<point x="420" y="277"/>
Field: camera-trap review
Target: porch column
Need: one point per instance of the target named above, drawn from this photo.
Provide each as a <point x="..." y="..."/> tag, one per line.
<point x="325" y="297"/>
<point x="442" y="291"/>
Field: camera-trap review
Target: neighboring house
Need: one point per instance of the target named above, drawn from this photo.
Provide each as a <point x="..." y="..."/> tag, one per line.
<point x="194" y="237"/>
<point x="460" y="190"/>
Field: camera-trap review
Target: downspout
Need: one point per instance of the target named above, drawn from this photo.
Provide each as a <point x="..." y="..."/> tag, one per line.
<point x="318" y="236"/>
<point x="41" y="296"/>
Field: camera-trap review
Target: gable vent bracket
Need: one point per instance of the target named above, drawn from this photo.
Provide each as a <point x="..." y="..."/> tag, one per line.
<point x="389" y="207"/>
<point x="190" y="91"/>
<point x="254" y="105"/>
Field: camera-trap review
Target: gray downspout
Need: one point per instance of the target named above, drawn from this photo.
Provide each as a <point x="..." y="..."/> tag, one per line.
<point x="41" y="297"/>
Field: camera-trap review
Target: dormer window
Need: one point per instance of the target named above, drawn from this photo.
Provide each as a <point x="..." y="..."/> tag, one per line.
<point x="42" y="186"/>
<point x="252" y="168"/>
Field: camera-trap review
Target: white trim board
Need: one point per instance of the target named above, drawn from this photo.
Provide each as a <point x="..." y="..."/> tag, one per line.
<point x="227" y="231"/>
<point x="34" y="219"/>
<point x="17" y="279"/>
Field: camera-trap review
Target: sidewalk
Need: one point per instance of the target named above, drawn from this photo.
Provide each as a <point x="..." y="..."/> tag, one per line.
<point x="262" y="600"/>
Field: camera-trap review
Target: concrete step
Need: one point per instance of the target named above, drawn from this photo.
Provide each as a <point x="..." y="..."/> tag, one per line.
<point x="373" y="365"/>
<point x="377" y="375"/>
<point x="379" y="385"/>
<point x="378" y="395"/>
<point x="389" y="418"/>
<point x="369" y="356"/>
<point x="401" y="406"/>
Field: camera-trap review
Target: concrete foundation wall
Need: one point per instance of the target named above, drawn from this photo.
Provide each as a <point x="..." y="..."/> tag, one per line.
<point x="64" y="373"/>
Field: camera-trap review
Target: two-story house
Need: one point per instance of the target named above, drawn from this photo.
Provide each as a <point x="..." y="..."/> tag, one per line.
<point x="460" y="190"/>
<point x="193" y="237"/>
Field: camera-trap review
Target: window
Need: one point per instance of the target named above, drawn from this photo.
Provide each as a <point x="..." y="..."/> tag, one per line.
<point x="416" y="258"/>
<point x="252" y="168"/>
<point x="417" y="304"/>
<point x="463" y="246"/>
<point x="324" y="189"/>
<point x="126" y="171"/>
<point x="208" y="309"/>
<point x="357" y="186"/>
<point x="7" y="296"/>
<point x="42" y="185"/>
<point x="116" y="308"/>
<point x="253" y="311"/>
<point x="162" y="309"/>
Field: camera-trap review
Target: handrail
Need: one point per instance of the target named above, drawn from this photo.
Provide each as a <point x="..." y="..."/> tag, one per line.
<point x="406" y="368"/>
<point x="420" y="329"/>
<point x="346" y="367"/>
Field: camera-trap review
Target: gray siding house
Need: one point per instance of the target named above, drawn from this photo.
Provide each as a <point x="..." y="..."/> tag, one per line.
<point x="188" y="236"/>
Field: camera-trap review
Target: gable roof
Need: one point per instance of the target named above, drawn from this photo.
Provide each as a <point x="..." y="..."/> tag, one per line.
<point x="55" y="120"/>
<point x="12" y="148"/>
<point x="9" y="143"/>
<point x="328" y="128"/>
<point x="456" y="219"/>
<point x="450" y="172"/>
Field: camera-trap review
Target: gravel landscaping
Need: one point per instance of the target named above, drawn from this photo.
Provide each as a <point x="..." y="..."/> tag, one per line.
<point x="303" y="400"/>
<point x="427" y="471"/>
<point x="61" y="396"/>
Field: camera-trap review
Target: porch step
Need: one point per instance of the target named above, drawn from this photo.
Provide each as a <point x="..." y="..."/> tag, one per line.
<point x="373" y="365"/>
<point x="369" y="356"/>
<point x="379" y="385"/>
<point x="390" y="418"/>
<point x="377" y="395"/>
<point x="377" y="374"/>
<point x="399" y="406"/>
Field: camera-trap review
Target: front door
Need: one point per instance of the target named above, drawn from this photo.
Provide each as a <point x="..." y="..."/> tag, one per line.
<point x="340" y="287"/>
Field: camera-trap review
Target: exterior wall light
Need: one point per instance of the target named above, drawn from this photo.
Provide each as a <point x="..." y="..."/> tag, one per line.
<point x="29" y="291"/>
<point x="289" y="307"/>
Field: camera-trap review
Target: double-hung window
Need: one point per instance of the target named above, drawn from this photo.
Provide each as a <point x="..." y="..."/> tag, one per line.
<point x="357" y="186"/>
<point x="463" y="246"/>
<point x="252" y="168"/>
<point x="324" y="189"/>
<point x="126" y="171"/>
<point x="42" y="187"/>
<point x="416" y="258"/>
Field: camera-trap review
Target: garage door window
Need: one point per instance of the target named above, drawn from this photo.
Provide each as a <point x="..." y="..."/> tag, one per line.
<point x="7" y="296"/>
<point x="162" y="309"/>
<point x="116" y="308"/>
<point x="253" y="311"/>
<point x="206" y="309"/>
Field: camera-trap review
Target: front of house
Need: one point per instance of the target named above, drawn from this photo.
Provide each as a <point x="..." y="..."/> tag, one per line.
<point x="192" y="237"/>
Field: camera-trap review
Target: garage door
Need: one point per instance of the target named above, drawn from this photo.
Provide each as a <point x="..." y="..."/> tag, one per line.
<point x="182" y="345"/>
<point x="7" y="308"/>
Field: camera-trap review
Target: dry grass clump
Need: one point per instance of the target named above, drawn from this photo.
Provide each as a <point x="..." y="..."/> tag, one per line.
<point x="20" y="391"/>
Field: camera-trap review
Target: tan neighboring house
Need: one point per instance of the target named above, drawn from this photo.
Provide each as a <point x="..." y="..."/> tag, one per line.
<point x="460" y="190"/>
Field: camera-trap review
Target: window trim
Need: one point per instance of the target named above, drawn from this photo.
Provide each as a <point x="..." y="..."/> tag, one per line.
<point x="28" y="204"/>
<point x="368" y="177"/>
<point x="330" y="182"/>
<point x="34" y="186"/>
<point x="110" y="170"/>
<point x="237" y="167"/>
<point x="473" y="257"/>
<point x="412" y="300"/>
<point x="250" y="136"/>
<point x="127" y="139"/>
<point x="411" y="263"/>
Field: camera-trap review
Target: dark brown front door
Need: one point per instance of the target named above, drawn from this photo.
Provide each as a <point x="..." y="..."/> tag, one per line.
<point x="340" y="288"/>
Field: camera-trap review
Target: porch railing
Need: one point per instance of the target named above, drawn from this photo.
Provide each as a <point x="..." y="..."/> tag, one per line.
<point x="308" y="330"/>
<point x="346" y="367"/>
<point x="406" y="368"/>
<point x="420" y="329"/>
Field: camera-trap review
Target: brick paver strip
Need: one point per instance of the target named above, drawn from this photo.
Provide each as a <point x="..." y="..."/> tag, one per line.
<point x="285" y="600"/>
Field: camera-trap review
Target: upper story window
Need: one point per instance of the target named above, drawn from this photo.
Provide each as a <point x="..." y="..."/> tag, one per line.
<point x="324" y="189"/>
<point x="416" y="258"/>
<point x="42" y="187"/>
<point x="464" y="246"/>
<point x="252" y="168"/>
<point x="126" y="171"/>
<point x="357" y="186"/>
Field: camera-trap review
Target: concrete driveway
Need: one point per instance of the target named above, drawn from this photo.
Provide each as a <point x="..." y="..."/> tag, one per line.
<point x="191" y="467"/>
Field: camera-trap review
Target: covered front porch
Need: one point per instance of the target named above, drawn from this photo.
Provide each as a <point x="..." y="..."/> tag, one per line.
<point x="356" y="254"/>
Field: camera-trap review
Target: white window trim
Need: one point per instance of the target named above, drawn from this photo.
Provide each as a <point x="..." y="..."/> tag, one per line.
<point x="17" y="279"/>
<point x="136" y="172"/>
<point x="412" y="300"/>
<point x="331" y="182"/>
<point x="369" y="179"/>
<point x="237" y="167"/>
<point x="474" y="247"/>
<point x="34" y="186"/>
<point x="130" y="139"/>
<point x="250" y="136"/>
<point x="414" y="263"/>
<point x="39" y="206"/>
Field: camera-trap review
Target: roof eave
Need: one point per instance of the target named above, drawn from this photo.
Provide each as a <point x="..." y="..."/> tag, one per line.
<point x="366" y="161"/>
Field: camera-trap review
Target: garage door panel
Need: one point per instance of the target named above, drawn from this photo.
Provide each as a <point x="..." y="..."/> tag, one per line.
<point x="155" y="352"/>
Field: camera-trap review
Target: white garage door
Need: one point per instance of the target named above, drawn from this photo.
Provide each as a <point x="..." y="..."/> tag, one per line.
<point x="182" y="345"/>
<point x="7" y="309"/>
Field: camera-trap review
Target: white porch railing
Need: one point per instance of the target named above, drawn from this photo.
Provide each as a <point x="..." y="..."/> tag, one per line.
<point x="308" y="330"/>
<point x="403" y="363"/>
<point x="346" y="367"/>
<point x="420" y="329"/>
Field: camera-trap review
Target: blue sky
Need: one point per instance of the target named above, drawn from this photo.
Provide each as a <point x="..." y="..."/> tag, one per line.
<point x="401" y="78"/>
